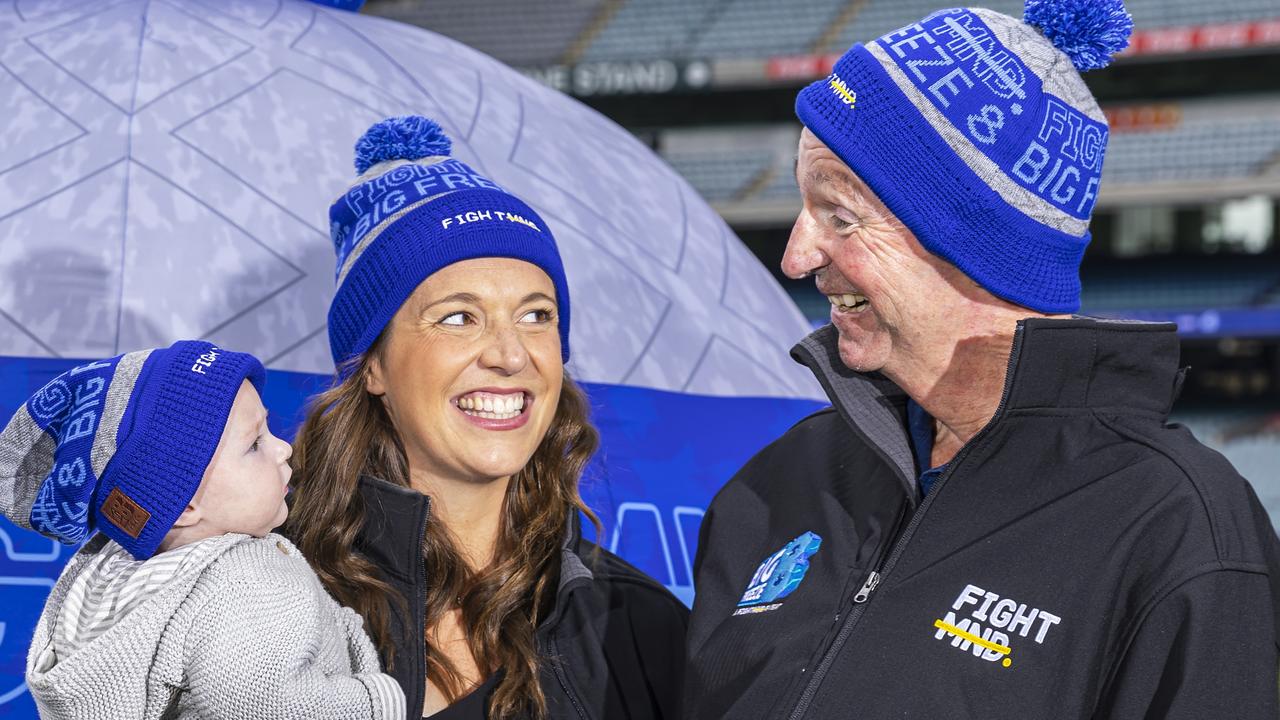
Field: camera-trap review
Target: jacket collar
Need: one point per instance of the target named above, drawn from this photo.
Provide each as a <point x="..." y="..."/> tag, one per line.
<point x="1123" y="366"/>
<point x="869" y="402"/>
<point x="395" y="521"/>
<point x="1082" y="362"/>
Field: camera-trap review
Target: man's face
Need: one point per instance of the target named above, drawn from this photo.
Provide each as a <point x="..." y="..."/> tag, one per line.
<point x="887" y="292"/>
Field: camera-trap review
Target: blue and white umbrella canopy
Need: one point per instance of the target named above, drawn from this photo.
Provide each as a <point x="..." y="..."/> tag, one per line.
<point x="166" y="168"/>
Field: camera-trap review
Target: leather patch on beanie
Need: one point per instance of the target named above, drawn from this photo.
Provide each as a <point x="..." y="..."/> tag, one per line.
<point x="125" y="513"/>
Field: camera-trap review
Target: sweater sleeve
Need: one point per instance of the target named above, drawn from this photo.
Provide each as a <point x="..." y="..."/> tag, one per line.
<point x="1207" y="649"/>
<point x="257" y="649"/>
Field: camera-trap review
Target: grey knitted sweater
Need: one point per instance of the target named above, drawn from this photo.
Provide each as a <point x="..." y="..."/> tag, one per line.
<point x="247" y="631"/>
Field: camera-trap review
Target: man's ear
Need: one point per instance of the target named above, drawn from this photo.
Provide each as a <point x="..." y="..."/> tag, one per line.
<point x="373" y="383"/>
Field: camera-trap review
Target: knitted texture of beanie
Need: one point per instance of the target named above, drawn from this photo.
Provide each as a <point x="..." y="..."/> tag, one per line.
<point x="413" y="211"/>
<point x="977" y="132"/>
<point x="120" y="445"/>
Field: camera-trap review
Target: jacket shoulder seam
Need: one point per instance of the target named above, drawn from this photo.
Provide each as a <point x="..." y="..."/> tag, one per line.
<point x="624" y="575"/>
<point x="1161" y="594"/>
<point x="1183" y="468"/>
<point x="633" y="578"/>
<point x="826" y="410"/>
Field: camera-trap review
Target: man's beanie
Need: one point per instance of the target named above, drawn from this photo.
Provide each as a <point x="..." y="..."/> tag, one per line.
<point x="120" y="445"/>
<point x="412" y="211"/>
<point x="977" y="132"/>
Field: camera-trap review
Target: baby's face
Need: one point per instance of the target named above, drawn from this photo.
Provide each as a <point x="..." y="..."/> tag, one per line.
<point x="245" y="484"/>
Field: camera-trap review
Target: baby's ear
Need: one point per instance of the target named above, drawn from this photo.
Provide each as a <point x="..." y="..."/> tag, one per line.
<point x="190" y="516"/>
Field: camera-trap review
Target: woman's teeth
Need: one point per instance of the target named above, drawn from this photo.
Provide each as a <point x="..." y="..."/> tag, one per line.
<point x="849" y="302"/>
<point x="492" y="407"/>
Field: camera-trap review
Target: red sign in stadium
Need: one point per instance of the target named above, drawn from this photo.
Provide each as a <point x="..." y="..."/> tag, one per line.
<point x="800" y="67"/>
<point x="1224" y="36"/>
<point x="1143" y="117"/>
<point x="1162" y="41"/>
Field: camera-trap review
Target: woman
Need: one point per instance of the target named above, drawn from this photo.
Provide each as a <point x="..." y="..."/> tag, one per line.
<point x="436" y="485"/>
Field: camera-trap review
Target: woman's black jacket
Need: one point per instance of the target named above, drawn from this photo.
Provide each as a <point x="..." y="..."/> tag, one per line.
<point x="613" y="645"/>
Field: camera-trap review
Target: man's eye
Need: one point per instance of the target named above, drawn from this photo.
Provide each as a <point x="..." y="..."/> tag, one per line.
<point x="456" y="319"/>
<point x="839" y="223"/>
<point x="537" y="316"/>
<point x="256" y="444"/>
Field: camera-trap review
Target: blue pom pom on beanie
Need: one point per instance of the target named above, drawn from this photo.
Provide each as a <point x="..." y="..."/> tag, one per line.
<point x="976" y="132"/>
<point x="409" y="137"/>
<point x="1089" y="32"/>
<point x="413" y="211"/>
<point x="120" y="445"/>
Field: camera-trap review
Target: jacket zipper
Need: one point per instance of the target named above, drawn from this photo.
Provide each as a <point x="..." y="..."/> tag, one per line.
<point x="564" y="680"/>
<point x="873" y="579"/>
<point x="900" y="543"/>
<point x="420" y="624"/>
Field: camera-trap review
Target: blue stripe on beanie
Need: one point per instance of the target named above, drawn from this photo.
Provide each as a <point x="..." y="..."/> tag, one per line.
<point x="120" y="445"/>
<point x="412" y="213"/>
<point x="70" y="408"/>
<point x="979" y="140"/>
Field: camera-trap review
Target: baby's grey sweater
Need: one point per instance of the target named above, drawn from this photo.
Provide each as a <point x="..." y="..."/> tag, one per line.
<point x="248" y="632"/>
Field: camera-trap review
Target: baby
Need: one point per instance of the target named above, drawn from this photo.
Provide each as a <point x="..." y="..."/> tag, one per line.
<point x="185" y="604"/>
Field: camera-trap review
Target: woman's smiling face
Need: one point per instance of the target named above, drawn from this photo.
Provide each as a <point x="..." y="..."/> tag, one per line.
<point x="470" y="369"/>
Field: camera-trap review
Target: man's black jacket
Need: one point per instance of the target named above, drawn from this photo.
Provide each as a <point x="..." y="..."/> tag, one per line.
<point x="613" y="645"/>
<point x="1079" y="558"/>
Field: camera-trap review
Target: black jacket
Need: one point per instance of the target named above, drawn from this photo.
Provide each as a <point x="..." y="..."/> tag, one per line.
<point x="1078" y="558"/>
<point x="614" y="642"/>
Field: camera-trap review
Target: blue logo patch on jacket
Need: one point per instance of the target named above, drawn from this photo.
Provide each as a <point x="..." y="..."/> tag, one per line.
<point x="779" y="575"/>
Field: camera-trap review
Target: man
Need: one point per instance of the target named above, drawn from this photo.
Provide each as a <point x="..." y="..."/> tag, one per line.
<point x="993" y="519"/>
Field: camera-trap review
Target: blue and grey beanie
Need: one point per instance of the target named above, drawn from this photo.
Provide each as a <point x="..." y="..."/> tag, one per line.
<point x="977" y="132"/>
<point x="120" y="445"/>
<point x="412" y="211"/>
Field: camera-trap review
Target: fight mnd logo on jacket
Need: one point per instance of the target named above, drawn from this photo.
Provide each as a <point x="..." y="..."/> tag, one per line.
<point x="990" y="621"/>
<point x="779" y="575"/>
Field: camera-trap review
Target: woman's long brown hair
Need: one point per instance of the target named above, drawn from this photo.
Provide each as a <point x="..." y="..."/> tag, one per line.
<point x="347" y="433"/>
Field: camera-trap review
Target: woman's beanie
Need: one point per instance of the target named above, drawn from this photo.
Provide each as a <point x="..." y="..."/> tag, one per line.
<point x="977" y="132"/>
<point x="120" y="445"/>
<point x="412" y="211"/>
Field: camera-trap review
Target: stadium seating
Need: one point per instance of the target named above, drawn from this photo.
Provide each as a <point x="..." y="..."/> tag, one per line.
<point x="651" y="29"/>
<point x="1223" y="147"/>
<point x="1165" y="286"/>
<point x="756" y="28"/>
<point x="763" y="28"/>
<point x="543" y="33"/>
<point x="878" y="17"/>
<point x="1179" y="13"/>
<point x="780" y="187"/>
<point x="882" y="16"/>
<point x="1230" y="143"/>
<point x="719" y="176"/>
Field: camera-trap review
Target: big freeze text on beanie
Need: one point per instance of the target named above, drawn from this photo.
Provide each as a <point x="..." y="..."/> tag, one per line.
<point x="413" y="211"/>
<point x="120" y="445"/>
<point x="976" y="131"/>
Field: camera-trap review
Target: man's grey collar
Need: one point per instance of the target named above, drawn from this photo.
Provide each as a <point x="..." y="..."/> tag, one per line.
<point x="869" y="402"/>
